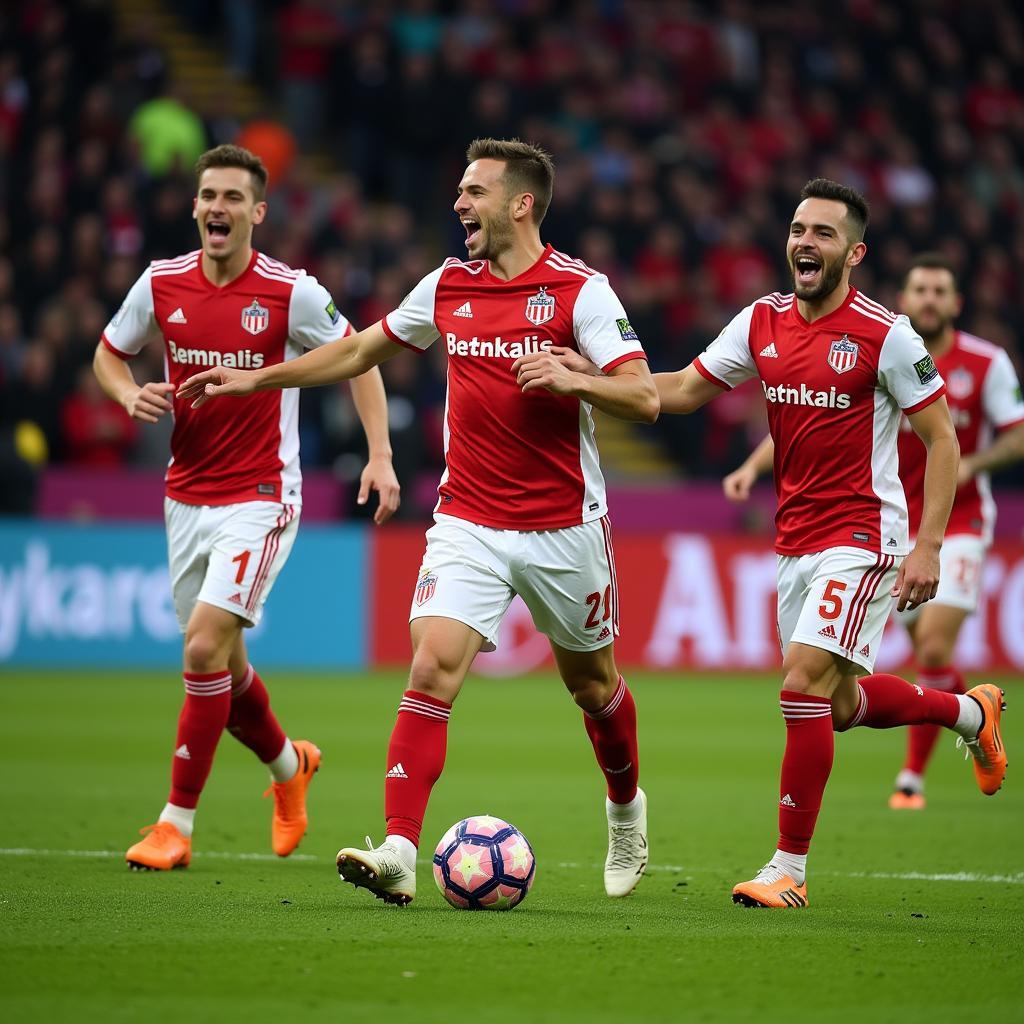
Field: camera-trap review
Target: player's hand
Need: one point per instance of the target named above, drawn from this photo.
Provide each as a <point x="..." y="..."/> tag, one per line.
<point x="544" y="370"/>
<point x="220" y="380"/>
<point x="738" y="484"/>
<point x="379" y="476"/>
<point x="575" y="361"/>
<point x="149" y="402"/>
<point x="964" y="471"/>
<point x="917" y="579"/>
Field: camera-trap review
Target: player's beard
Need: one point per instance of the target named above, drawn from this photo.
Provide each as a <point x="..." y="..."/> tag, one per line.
<point x="939" y="327"/>
<point x="498" y="239"/>
<point x="831" y="275"/>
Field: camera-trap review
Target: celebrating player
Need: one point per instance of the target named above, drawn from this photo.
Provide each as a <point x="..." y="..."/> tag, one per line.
<point x="233" y="484"/>
<point x="521" y="506"/>
<point x="837" y="370"/>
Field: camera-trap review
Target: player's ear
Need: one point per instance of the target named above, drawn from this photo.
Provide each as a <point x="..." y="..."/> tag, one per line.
<point x="259" y="212"/>
<point x="523" y="206"/>
<point x="195" y="203"/>
<point x="856" y="254"/>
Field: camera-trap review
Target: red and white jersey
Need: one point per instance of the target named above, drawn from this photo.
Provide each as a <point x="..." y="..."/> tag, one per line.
<point x="516" y="461"/>
<point x="984" y="396"/>
<point x="229" y="451"/>
<point x="835" y="390"/>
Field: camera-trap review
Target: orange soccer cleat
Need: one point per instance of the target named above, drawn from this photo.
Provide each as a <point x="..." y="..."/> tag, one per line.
<point x="987" y="747"/>
<point x="771" y="887"/>
<point x="290" y="818"/>
<point x="163" y="848"/>
<point x="907" y="800"/>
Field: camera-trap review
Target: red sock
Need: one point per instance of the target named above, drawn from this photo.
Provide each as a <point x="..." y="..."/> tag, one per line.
<point x="806" y="764"/>
<point x="415" y="759"/>
<point x="251" y="721"/>
<point x="887" y="701"/>
<point x="612" y="731"/>
<point x="921" y="738"/>
<point x="202" y="720"/>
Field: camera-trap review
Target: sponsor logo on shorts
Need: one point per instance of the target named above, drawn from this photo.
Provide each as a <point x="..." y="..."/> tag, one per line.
<point x="604" y="634"/>
<point x="829" y="632"/>
<point x="425" y="587"/>
<point x="865" y="651"/>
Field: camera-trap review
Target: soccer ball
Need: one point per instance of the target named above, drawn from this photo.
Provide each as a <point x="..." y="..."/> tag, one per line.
<point x="484" y="863"/>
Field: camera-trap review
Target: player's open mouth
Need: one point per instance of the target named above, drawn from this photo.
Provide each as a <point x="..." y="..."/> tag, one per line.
<point x="472" y="231"/>
<point x="807" y="269"/>
<point x="217" y="229"/>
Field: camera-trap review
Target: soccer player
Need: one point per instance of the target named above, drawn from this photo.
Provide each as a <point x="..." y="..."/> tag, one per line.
<point x="233" y="483"/>
<point x="984" y="397"/>
<point x="837" y="371"/>
<point x="521" y="506"/>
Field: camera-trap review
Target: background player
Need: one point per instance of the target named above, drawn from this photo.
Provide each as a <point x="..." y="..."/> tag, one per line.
<point x="837" y="369"/>
<point x="233" y="483"/>
<point x="522" y="504"/>
<point x="984" y="396"/>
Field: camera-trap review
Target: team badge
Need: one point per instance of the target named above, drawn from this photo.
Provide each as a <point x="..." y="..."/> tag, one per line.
<point x="540" y="308"/>
<point x="425" y="587"/>
<point x="255" y="318"/>
<point x="960" y="383"/>
<point x="842" y="355"/>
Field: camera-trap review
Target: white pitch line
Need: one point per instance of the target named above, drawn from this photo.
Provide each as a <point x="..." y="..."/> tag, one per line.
<point x="907" y="876"/>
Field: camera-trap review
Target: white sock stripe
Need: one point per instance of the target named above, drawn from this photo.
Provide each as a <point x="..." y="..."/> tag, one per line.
<point x="244" y="683"/>
<point x="210" y="689"/>
<point x="613" y="705"/>
<point x="418" y="707"/>
<point x="790" y="717"/>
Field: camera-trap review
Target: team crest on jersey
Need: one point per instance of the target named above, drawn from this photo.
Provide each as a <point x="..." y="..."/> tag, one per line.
<point x="425" y="587"/>
<point x="960" y="383"/>
<point x="255" y="318"/>
<point x="540" y="308"/>
<point x="842" y="355"/>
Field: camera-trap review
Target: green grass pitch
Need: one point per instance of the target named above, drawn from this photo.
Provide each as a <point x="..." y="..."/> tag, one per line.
<point x="913" y="917"/>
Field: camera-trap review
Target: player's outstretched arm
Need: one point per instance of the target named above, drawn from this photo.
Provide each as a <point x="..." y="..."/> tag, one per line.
<point x="340" y="360"/>
<point x="685" y="390"/>
<point x="147" y="402"/>
<point x="378" y="475"/>
<point x="1005" y="450"/>
<point x="918" y="577"/>
<point x="738" y="484"/>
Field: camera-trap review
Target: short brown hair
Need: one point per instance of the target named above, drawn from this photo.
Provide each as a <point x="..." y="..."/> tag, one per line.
<point x="930" y="261"/>
<point x="857" y="211"/>
<point x="235" y="156"/>
<point x="528" y="168"/>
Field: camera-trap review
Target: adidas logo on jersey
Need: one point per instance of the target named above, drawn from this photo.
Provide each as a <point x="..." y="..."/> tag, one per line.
<point x="465" y="310"/>
<point x="396" y="772"/>
<point x="177" y="317"/>
<point x="829" y="632"/>
<point x="770" y="351"/>
<point x="787" y="801"/>
<point x="183" y="753"/>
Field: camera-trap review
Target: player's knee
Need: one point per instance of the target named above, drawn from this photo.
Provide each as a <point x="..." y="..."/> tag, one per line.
<point x="204" y="653"/>
<point x="590" y="694"/>
<point x="429" y="675"/>
<point x="933" y="651"/>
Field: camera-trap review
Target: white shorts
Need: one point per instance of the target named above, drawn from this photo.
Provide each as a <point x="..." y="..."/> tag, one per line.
<point x="227" y="555"/>
<point x="566" y="578"/>
<point x="961" y="564"/>
<point x="837" y="600"/>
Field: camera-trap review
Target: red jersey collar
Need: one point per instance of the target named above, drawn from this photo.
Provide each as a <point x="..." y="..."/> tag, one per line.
<point x="231" y="284"/>
<point x="841" y="308"/>
<point x="548" y="249"/>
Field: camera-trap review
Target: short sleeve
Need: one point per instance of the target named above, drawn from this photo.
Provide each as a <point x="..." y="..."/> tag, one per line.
<point x="727" y="361"/>
<point x="601" y="327"/>
<point x="313" y="318"/>
<point x="412" y="324"/>
<point x="905" y="369"/>
<point x="134" y="325"/>
<point x="1000" y="394"/>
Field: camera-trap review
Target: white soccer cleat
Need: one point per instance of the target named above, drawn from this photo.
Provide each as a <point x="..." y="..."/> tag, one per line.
<point x="627" y="852"/>
<point x="380" y="869"/>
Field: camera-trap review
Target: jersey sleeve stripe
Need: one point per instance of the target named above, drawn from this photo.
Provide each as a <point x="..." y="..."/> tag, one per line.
<point x="560" y="258"/>
<point x="274" y="276"/>
<point x="925" y="402"/>
<point x="871" y="316"/>
<point x="708" y="375"/>
<point x="875" y="306"/>
<point x="980" y="347"/>
<point x="173" y="271"/>
<point x="272" y="264"/>
<point x="569" y="270"/>
<point x="396" y="339"/>
<point x="626" y="358"/>
<point x="177" y="260"/>
<point x="117" y="352"/>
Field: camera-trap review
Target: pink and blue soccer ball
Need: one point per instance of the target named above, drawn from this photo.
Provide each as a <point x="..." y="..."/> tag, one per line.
<point x="484" y="863"/>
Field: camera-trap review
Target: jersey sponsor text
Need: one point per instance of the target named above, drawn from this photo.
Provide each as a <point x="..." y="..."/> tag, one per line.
<point x="246" y="359"/>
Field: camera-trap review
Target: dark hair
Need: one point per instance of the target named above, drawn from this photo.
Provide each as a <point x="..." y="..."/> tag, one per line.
<point x="528" y="168"/>
<point x="235" y="156"/>
<point x="856" y="205"/>
<point x="930" y="261"/>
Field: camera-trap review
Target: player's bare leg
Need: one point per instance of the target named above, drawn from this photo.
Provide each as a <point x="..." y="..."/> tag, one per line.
<point x="443" y="650"/>
<point x="209" y="640"/>
<point x="934" y="634"/>
<point x="609" y="716"/>
<point x="292" y="764"/>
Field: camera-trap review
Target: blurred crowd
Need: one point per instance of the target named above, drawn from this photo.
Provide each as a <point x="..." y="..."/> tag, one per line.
<point x="682" y="133"/>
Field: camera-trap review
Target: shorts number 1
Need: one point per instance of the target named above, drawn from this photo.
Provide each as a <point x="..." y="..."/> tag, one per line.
<point x="243" y="564"/>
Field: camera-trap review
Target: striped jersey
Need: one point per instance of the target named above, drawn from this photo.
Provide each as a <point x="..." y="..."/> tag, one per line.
<point x="835" y="390"/>
<point x="516" y="461"/>
<point x="229" y="451"/>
